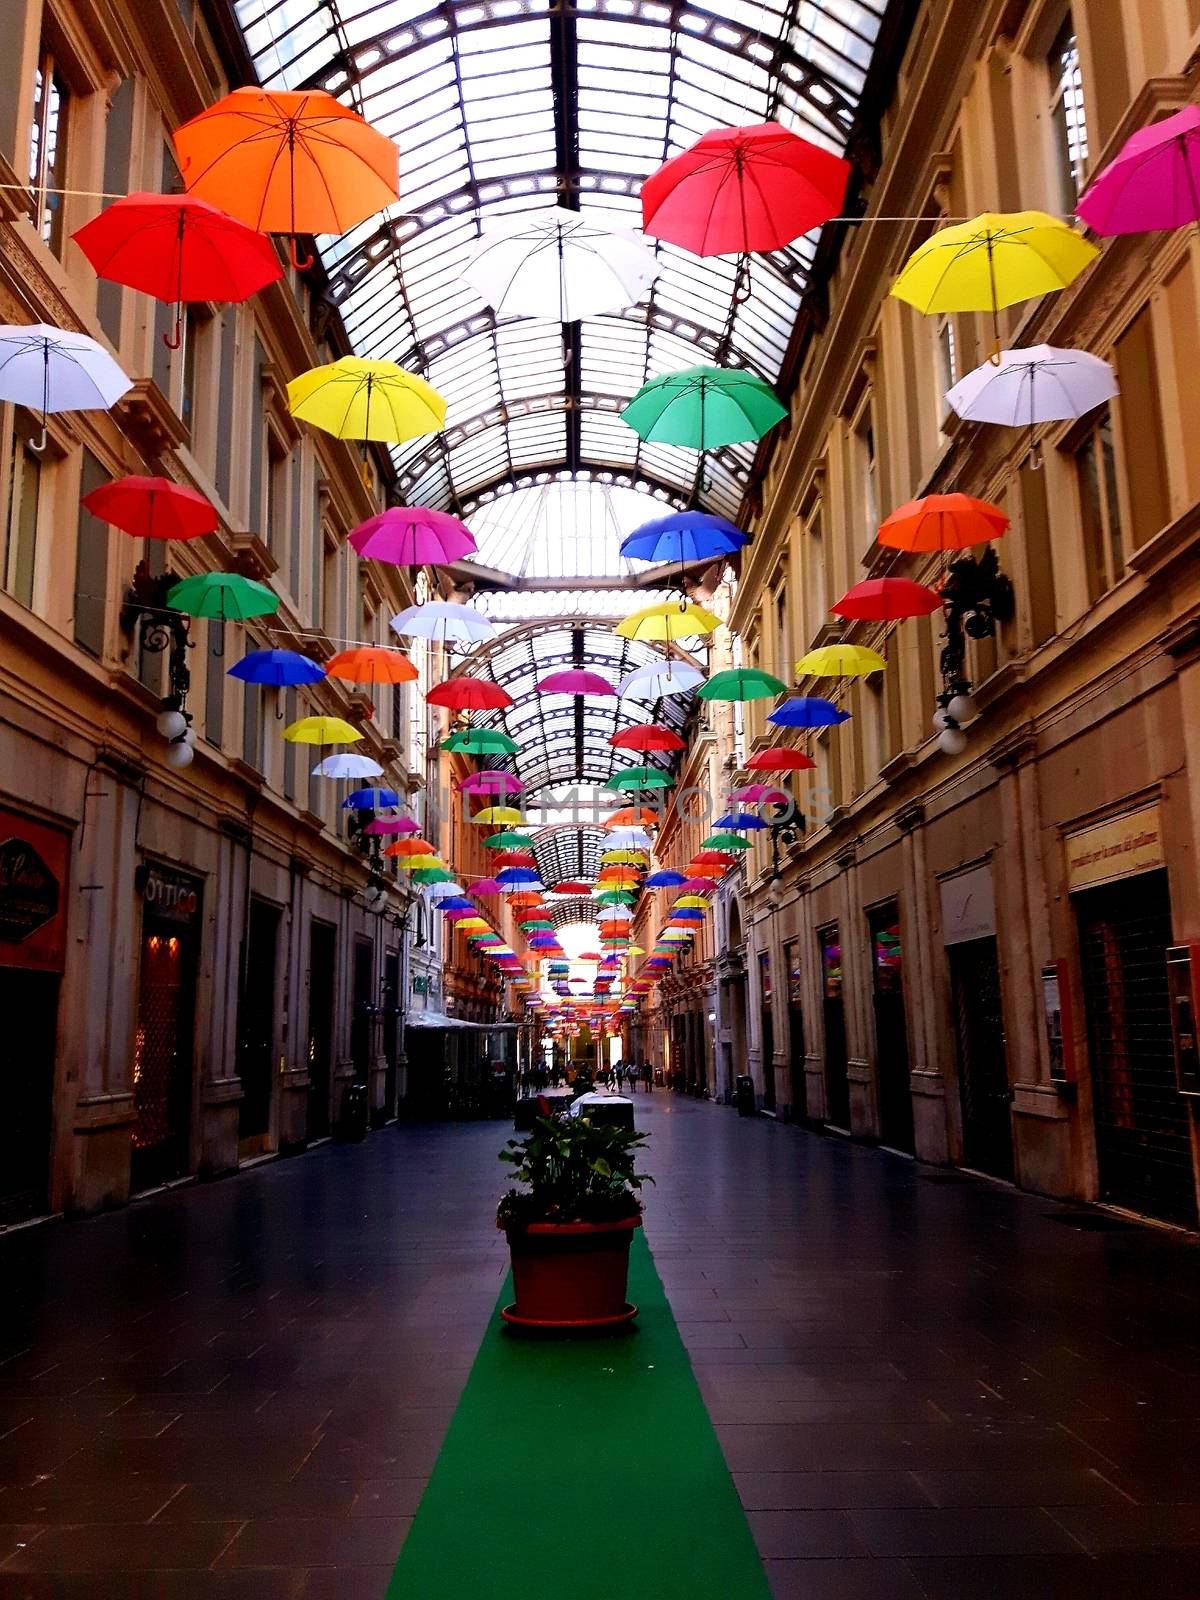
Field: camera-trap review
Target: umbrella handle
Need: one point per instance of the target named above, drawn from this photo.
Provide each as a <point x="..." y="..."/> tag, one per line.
<point x="174" y="339"/>
<point x="300" y="264"/>
<point x="38" y="445"/>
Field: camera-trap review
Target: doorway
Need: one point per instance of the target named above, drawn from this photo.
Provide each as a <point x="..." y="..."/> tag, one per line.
<point x="322" y="957"/>
<point x="984" y="1091"/>
<point x="767" y="999"/>
<point x="837" y="1083"/>
<point x="797" y="1078"/>
<point x="891" y="1029"/>
<point x="360" y="1024"/>
<point x="1143" y="1144"/>
<point x="256" y="1029"/>
<point x="162" y="1058"/>
<point x="29" y="1002"/>
<point x="391" y="1030"/>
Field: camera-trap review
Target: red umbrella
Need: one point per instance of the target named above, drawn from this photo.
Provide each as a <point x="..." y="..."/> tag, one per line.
<point x="514" y="858"/>
<point x="780" y="760"/>
<point x="573" y="886"/>
<point x="646" y="737"/>
<point x="887" y="599"/>
<point x="742" y="189"/>
<point x="469" y="694"/>
<point x="152" y="508"/>
<point x="177" y="247"/>
<point x="575" y="681"/>
<point x="713" y="858"/>
<point x="943" y="522"/>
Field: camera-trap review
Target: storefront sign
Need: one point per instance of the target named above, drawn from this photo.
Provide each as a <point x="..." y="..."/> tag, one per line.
<point x="168" y="895"/>
<point x="1119" y="848"/>
<point x="968" y="906"/>
<point x="33" y="871"/>
<point x="420" y="986"/>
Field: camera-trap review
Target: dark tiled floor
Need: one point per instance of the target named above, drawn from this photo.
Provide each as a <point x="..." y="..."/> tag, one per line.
<point x="931" y="1390"/>
<point x="925" y="1392"/>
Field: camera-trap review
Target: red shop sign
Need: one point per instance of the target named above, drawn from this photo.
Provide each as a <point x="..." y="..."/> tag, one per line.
<point x="33" y="894"/>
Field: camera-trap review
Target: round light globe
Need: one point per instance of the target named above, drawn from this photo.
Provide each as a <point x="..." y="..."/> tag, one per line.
<point x="939" y="720"/>
<point x="962" y="708"/>
<point x="179" y="755"/>
<point x="952" y="741"/>
<point x="171" y="724"/>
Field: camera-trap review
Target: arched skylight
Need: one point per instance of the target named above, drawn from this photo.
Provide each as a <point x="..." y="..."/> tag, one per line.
<point x="562" y="529"/>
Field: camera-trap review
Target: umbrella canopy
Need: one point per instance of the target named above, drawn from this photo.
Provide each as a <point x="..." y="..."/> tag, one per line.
<point x="516" y="858"/>
<point x="634" y="778"/>
<point x="288" y="162"/>
<point x="507" y="840"/>
<point x="385" y="825"/>
<point x="413" y="536"/>
<point x="511" y="875"/>
<point x="491" y="782"/>
<point x="356" y="399"/>
<point x="321" y="730"/>
<point x="724" y="842"/>
<point x="666" y="879"/>
<point x="178" y="247"/>
<point x="347" y="766"/>
<point x="886" y="600"/>
<point x="738" y="190"/>
<point x="757" y="794"/>
<point x="471" y="694"/>
<point x="745" y="820"/>
<point x="942" y="522"/>
<point x="1153" y="182"/>
<point x="481" y="742"/>
<point x="741" y="683"/>
<point x="623" y="857"/>
<point x="278" y="668"/>
<point x="714" y="858"/>
<point x="682" y="537"/>
<point x="498" y="816"/>
<point x="667" y="621"/>
<point x="703" y="408"/>
<point x="632" y="817"/>
<point x="1040" y="384"/>
<point x="807" y="711"/>
<point x="444" y="622"/>
<point x="693" y="902"/>
<point x="483" y="886"/>
<point x="226" y="596"/>
<point x="152" y="508"/>
<point x="659" y="679"/>
<point x="647" y="736"/>
<point x="575" y="681"/>
<point x="48" y="369"/>
<point x="679" y="917"/>
<point x="840" y="661"/>
<point x="448" y="895"/>
<point x="780" y="759"/>
<point x="699" y="885"/>
<point x="559" y="265"/>
<point x="630" y="838"/>
<point x="371" y="664"/>
<point x="573" y="886"/>
<point x="370" y="800"/>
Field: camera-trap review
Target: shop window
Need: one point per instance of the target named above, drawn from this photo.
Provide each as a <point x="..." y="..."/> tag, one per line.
<point x="48" y="148"/>
<point x="91" y="564"/>
<point x="21" y="520"/>
<point x="1142" y="453"/>
<point x="1067" y="114"/>
<point x="1099" y="507"/>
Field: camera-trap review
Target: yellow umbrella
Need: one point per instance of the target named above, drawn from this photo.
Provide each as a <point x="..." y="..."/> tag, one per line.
<point x="500" y="816"/>
<point x="691" y="902"/>
<point x="995" y="260"/>
<point x="675" y="935"/>
<point x="840" y="661"/>
<point x="472" y="924"/>
<point x="636" y="950"/>
<point x="624" y="858"/>
<point x="420" y="864"/>
<point x="321" y="730"/>
<point x="356" y="399"/>
<point x="668" y="621"/>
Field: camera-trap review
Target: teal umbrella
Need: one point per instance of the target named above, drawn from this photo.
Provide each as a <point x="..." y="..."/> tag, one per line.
<point x="481" y="742"/>
<point x="741" y="683"/>
<point x="640" y="778"/>
<point x="227" y="596"/>
<point x="704" y="408"/>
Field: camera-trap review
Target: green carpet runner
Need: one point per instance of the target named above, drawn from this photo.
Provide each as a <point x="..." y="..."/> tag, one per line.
<point x="582" y="1470"/>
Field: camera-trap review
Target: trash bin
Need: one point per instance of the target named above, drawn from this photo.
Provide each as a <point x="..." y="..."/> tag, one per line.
<point x="352" y="1119"/>
<point x="743" y="1095"/>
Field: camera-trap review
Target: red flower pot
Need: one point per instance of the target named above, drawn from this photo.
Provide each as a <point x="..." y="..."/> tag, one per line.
<point x="571" y="1274"/>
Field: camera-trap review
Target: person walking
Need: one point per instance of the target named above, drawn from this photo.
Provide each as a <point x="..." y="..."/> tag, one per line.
<point x="648" y="1077"/>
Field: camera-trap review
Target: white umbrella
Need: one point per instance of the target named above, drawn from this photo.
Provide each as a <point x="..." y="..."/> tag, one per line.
<point x="629" y="839"/>
<point x="558" y="264"/>
<point x="348" y="766"/>
<point x="649" y="683"/>
<point x="1041" y="384"/>
<point x="614" y="914"/>
<point x="443" y="891"/>
<point x="444" y="622"/>
<point x="50" y="369"/>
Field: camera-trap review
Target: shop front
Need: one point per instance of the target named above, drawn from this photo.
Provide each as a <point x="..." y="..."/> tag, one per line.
<point x="837" y="1082"/>
<point x="977" y="1016"/>
<point x="891" y="1028"/>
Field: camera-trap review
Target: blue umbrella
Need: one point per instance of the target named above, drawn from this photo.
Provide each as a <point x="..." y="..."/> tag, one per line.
<point x="667" y="879"/>
<point x="807" y="711"/>
<point x="745" y="821"/>
<point x="688" y="914"/>
<point x="684" y="536"/>
<point x="514" y="875"/>
<point x="370" y="800"/>
<point x="456" y="902"/>
<point x="279" y="669"/>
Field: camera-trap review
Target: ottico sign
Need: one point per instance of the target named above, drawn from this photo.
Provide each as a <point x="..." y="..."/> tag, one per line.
<point x="1119" y="848"/>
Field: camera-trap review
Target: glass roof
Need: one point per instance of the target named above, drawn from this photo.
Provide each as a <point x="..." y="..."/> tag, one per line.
<point x="500" y="106"/>
<point x="566" y="853"/>
<point x="562" y="529"/>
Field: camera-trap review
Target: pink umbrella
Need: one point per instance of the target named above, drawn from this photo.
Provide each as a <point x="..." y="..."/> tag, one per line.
<point x="412" y="536"/>
<point x="485" y="886"/>
<point x="575" y="682"/>
<point x="755" y="794"/>
<point x="1153" y="183"/>
<point x="697" y="886"/>
<point x="491" y="783"/>
<point x="393" y="825"/>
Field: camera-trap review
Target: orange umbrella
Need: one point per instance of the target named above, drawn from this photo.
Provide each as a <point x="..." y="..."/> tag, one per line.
<point x="409" y="847"/>
<point x="632" y="817"/>
<point x="943" y="522"/>
<point x="288" y="161"/>
<point x="372" y="664"/>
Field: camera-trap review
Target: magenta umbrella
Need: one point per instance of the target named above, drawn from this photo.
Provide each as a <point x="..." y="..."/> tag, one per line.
<point x="575" y="681"/>
<point x="697" y="886"/>
<point x="759" y="794"/>
<point x="1154" y="182"/>
<point x="491" y="783"/>
<point x="393" y="825"/>
<point x="413" y="536"/>
<point x="485" y="886"/>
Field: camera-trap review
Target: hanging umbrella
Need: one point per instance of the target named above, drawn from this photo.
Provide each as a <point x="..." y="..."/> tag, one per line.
<point x="575" y="681"/>
<point x="942" y="522"/>
<point x="666" y="879"/>
<point x="426" y="871"/>
<point x="510" y="875"/>
<point x="807" y="711"/>
<point x="223" y="595"/>
<point x="481" y="742"/>
<point x="508" y="839"/>
<point x="356" y="399"/>
<point x="413" y="536"/>
<point x="276" y="668"/>
<point x="152" y="508"/>
<point x="1040" y="384"/>
<point x="321" y="730"/>
<point x="647" y="736"/>
<point x="516" y="858"/>
<point x="491" y="782"/>
<point x="573" y="886"/>
<point x="840" y="661"/>
<point x="693" y="902"/>
<point x="371" y="664"/>
<point x="623" y="857"/>
<point x="667" y="621"/>
<point x="698" y="885"/>
<point x="444" y="622"/>
<point x="556" y="264"/>
<point x="678" y="917"/>
<point x="630" y="838"/>
<point x="713" y="858"/>
<point x="741" y="683"/>
<point x="48" y="370"/>
<point x="498" y="816"/>
<point x="633" y="817"/>
<point x="177" y="248"/>
<point x="347" y="766"/>
<point x="887" y="600"/>
<point x="703" y="408"/>
<point x="738" y="190"/>
<point x="683" y="537"/>
<point x="659" y="679"/>
<point x="634" y="778"/>
<point x="385" y="825"/>
<point x="745" y="820"/>
<point x="370" y="800"/>
<point x="1153" y="182"/>
<point x="757" y="794"/>
<point x="998" y="259"/>
<point x="447" y="894"/>
<point x="724" y="842"/>
<point x="470" y="694"/>
<point x="780" y="759"/>
<point x="288" y="162"/>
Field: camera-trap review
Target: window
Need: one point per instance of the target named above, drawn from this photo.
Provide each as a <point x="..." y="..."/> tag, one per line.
<point x="1067" y="114"/>
<point x="816" y="568"/>
<point x="1099" y="508"/>
<point x="782" y="638"/>
<point x="289" y="750"/>
<point x="118" y="143"/>
<point x="1143" y="456"/>
<point x="947" y="351"/>
<point x="91" y="564"/>
<point x="252" y="728"/>
<point x="865" y="494"/>
<point x="195" y="326"/>
<point x="48" y="148"/>
<point x="225" y="401"/>
<point x="214" y="683"/>
<point x="21" y="520"/>
<point x="1039" y="605"/>
<point x="276" y="518"/>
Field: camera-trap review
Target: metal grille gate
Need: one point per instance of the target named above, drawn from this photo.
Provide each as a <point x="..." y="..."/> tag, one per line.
<point x="982" y="1059"/>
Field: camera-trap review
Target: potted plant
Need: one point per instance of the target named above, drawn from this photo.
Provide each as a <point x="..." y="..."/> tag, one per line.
<point x="570" y="1227"/>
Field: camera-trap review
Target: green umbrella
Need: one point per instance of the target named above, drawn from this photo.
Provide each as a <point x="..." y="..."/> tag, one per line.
<point x="227" y="596"/>
<point x="704" y="408"/>
<point x="614" y="897"/>
<point x="481" y="742"/>
<point x="536" y="927"/>
<point x="641" y="778"/>
<point x="508" y="840"/>
<point x="741" y="683"/>
<point x="431" y="875"/>
<point x="725" y="841"/>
